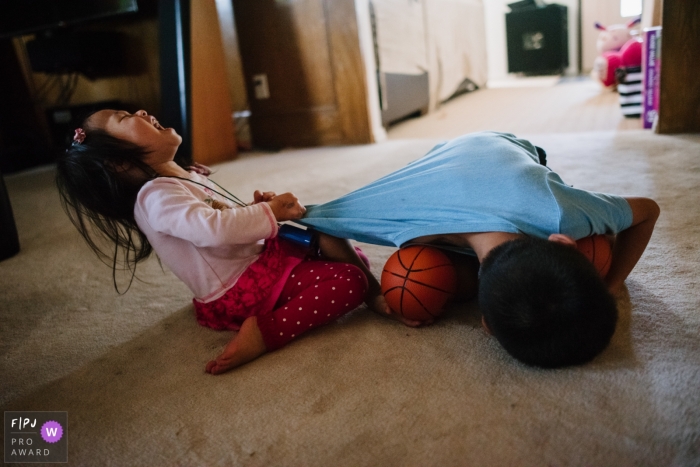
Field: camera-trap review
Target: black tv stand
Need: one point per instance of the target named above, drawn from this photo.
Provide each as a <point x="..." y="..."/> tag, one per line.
<point x="175" y="77"/>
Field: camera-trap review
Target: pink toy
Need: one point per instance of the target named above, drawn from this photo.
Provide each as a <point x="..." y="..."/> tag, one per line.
<point x="630" y="55"/>
<point x="613" y="37"/>
<point x="610" y="44"/>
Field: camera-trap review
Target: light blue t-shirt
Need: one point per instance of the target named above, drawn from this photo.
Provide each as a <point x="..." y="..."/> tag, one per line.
<point x="480" y="182"/>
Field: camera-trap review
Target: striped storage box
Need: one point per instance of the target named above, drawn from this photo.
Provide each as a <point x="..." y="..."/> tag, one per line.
<point x="629" y="86"/>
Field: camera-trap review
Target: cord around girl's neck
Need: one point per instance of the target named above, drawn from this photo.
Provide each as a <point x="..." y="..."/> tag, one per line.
<point x="170" y="169"/>
<point x="231" y="197"/>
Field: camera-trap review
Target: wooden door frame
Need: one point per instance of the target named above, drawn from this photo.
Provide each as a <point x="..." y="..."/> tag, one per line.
<point x="679" y="99"/>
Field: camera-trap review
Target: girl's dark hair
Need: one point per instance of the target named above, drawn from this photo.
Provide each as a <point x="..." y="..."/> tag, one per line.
<point x="545" y="303"/>
<point x="98" y="181"/>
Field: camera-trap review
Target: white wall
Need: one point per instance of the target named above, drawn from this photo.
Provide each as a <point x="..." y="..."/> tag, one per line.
<point x="495" y="11"/>
<point x="364" y="31"/>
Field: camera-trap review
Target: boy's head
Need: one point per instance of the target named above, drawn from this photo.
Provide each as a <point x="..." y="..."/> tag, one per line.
<point x="545" y="303"/>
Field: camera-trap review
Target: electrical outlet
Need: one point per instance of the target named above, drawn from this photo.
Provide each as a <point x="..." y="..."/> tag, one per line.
<point x="262" y="91"/>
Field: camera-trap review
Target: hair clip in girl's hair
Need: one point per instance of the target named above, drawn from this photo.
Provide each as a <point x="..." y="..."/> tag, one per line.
<point x="79" y="136"/>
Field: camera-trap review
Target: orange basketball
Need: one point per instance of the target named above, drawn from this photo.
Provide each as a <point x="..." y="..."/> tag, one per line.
<point x="598" y="251"/>
<point x="417" y="281"/>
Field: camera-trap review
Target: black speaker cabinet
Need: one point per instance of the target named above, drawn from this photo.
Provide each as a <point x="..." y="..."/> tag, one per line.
<point x="95" y="54"/>
<point x="538" y="41"/>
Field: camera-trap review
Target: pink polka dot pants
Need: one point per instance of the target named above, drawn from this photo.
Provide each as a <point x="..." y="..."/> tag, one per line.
<point x="316" y="293"/>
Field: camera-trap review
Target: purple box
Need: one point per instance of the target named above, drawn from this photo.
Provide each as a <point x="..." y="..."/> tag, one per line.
<point x="651" y="68"/>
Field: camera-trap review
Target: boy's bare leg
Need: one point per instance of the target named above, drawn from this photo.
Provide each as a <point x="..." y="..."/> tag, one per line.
<point x="245" y="346"/>
<point x="341" y="250"/>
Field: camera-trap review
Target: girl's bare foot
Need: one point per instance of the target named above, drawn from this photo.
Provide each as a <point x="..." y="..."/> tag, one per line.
<point x="377" y="303"/>
<point x="245" y="346"/>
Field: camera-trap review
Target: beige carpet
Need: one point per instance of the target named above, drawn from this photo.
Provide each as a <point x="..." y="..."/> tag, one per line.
<point x="365" y="390"/>
<point x="540" y="106"/>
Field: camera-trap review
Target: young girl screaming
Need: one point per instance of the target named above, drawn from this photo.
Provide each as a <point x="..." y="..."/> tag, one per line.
<point x="118" y="179"/>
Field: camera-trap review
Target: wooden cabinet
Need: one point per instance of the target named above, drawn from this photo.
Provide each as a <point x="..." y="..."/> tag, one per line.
<point x="194" y="94"/>
<point x="304" y="72"/>
<point x="213" y="133"/>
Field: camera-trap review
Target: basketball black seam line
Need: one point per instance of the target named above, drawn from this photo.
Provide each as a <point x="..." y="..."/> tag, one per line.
<point x="432" y="267"/>
<point x="407" y="279"/>
<point x="419" y="302"/>
<point x="408" y="271"/>
<point x="414" y="258"/>
<point x="414" y="296"/>
<point x="418" y="270"/>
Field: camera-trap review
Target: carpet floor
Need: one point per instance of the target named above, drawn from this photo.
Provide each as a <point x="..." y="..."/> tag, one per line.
<point x="129" y="369"/>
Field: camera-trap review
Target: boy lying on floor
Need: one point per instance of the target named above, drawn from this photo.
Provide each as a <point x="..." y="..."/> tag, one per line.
<point x="491" y="193"/>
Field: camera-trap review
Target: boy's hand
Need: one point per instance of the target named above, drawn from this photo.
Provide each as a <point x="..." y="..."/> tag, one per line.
<point x="412" y="322"/>
<point x="379" y="305"/>
<point x="286" y="207"/>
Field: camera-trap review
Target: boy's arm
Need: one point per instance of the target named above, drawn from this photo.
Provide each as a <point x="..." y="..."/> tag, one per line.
<point x="631" y="243"/>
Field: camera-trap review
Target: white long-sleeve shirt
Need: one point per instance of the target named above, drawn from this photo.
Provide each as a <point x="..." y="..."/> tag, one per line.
<point x="207" y="248"/>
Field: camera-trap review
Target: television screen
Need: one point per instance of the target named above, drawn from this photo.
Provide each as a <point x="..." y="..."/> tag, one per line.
<point x="19" y="17"/>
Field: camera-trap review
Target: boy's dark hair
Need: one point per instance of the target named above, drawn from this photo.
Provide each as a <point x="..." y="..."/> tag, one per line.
<point x="545" y="303"/>
<point x="99" y="195"/>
